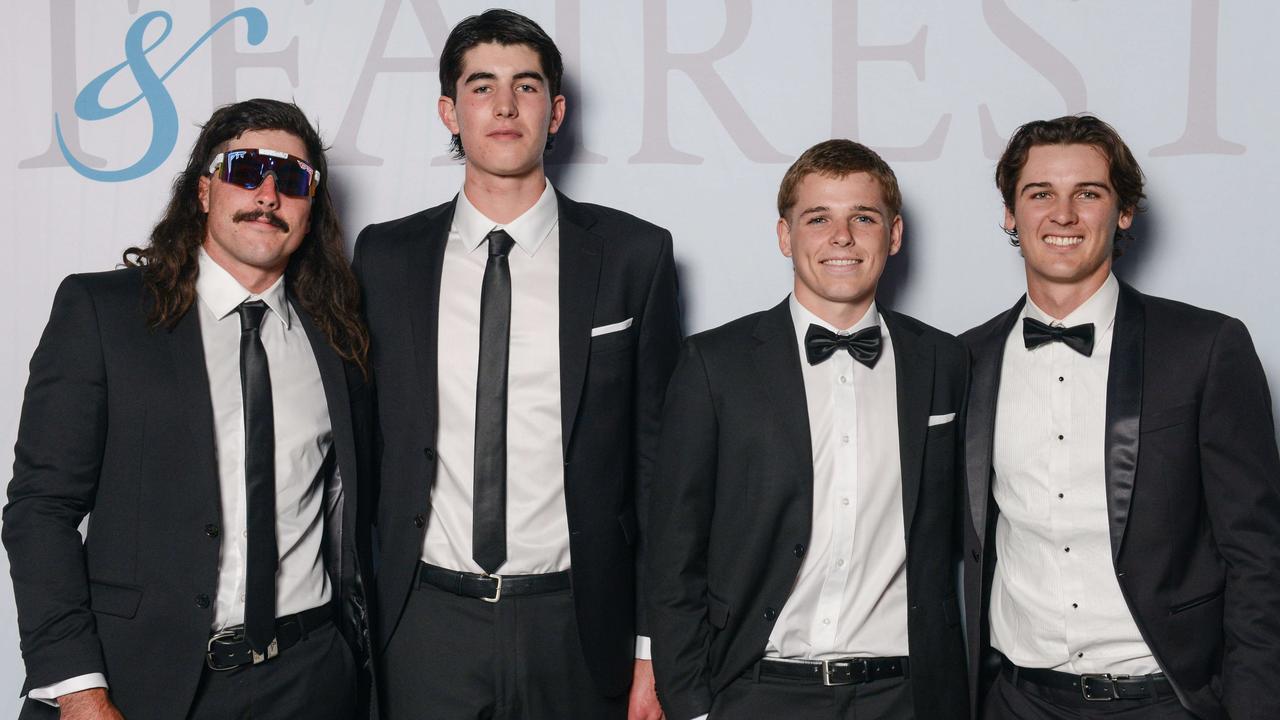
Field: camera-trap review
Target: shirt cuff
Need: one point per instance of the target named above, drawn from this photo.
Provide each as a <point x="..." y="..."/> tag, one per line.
<point x="49" y="694"/>
<point x="643" y="651"/>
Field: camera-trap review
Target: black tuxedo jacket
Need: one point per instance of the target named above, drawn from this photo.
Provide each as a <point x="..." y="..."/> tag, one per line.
<point x="117" y="423"/>
<point x="732" y="507"/>
<point x="1193" y="498"/>
<point x="612" y="267"/>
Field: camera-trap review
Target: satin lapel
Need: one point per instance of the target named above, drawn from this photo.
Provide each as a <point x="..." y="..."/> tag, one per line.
<point x="186" y="347"/>
<point x="776" y="358"/>
<point x="980" y="425"/>
<point x="580" y="260"/>
<point x="913" y="369"/>
<point x="334" y="378"/>
<point x="421" y="286"/>
<point x="1124" y="408"/>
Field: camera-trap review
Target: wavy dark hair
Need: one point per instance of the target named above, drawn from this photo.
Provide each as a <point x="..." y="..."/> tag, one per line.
<point x="505" y="28"/>
<point x="318" y="274"/>
<point x="1126" y="175"/>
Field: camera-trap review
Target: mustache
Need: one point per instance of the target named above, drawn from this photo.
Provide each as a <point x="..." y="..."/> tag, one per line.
<point x="269" y="216"/>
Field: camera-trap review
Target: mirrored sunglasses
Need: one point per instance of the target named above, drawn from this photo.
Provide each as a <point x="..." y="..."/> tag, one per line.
<point x="248" y="168"/>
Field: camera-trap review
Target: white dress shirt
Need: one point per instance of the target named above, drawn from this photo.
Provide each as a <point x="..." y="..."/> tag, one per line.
<point x="1055" y="600"/>
<point x="303" y="439"/>
<point x="850" y="598"/>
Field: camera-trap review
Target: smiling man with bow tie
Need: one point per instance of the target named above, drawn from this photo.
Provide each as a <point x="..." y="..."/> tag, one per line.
<point x="1121" y="466"/>
<point x="803" y="520"/>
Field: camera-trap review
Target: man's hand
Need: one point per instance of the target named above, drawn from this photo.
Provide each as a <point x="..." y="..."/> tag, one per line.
<point x="643" y="704"/>
<point x="92" y="704"/>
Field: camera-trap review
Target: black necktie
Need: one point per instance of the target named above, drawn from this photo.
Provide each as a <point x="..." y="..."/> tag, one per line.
<point x="864" y="345"/>
<point x="489" y="502"/>
<point x="260" y="481"/>
<point x="1076" y="337"/>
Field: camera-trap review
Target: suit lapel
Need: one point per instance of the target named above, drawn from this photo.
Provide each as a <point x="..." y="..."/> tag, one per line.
<point x="186" y="348"/>
<point x="777" y="365"/>
<point x="980" y="427"/>
<point x="333" y="377"/>
<point x="1124" y="408"/>
<point x="421" y="287"/>
<point x="580" y="261"/>
<point x="913" y="370"/>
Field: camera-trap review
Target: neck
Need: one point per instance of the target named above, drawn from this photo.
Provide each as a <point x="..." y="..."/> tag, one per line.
<point x="1061" y="299"/>
<point x="503" y="199"/>
<point x="838" y="315"/>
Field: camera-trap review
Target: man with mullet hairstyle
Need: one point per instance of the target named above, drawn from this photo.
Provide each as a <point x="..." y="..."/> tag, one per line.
<point x="206" y="407"/>
<point x="1124" y="485"/>
<point x="803" y="530"/>
<point x="522" y="342"/>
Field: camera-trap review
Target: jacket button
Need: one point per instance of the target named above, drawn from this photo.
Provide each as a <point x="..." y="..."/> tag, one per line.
<point x="431" y="454"/>
<point x="202" y="601"/>
<point x="798" y="550"/>
<point x="976" y="555"/>
<point x="212" y="530"/>
<point x="770" y="613"/>
<point x="419" y="521"/>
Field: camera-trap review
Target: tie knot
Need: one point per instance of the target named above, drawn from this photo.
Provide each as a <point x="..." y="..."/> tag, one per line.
<point x="251" y="313"/>
<point x="499" y="243"/>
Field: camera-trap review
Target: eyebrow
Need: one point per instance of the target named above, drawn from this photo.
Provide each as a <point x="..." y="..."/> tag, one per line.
<point x="856" y="208"/>
<point x="1086" y="184"/>
<point x="486" y="75"/>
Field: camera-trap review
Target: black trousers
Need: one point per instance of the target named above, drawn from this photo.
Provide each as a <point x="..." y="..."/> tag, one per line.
<point x="771" y="699"/>
<point x="314" y="679"/>
<point x="1025" y="701"/>
<point x="460" y="658"/>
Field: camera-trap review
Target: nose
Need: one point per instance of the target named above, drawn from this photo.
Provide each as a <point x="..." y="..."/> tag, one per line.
<point x="267" y="195"/>
<point x="1064" y="212"/>
<point x="841" y="237"/>
<point x="504" y="105"/>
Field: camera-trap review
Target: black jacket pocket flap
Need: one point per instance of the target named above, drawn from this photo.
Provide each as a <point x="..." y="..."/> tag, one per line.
<point x="111" y="599"/>
<point x="717" y="612"/>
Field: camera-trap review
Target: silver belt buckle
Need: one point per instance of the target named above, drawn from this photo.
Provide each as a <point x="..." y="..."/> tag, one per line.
<point x="214" y="639"/>
<point x="1114" y="693"/>
<point x="497" y="592"/>
<point x="826" y="672"/>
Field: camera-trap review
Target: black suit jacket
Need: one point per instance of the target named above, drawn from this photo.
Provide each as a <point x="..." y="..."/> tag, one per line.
<point x="732" y="509"/>
<point x="612" y="267"/>
<point x="117" y="424"/>
<point x="1193" y="497"/>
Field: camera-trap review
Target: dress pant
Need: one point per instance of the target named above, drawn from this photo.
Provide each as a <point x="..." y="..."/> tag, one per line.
<point x="773" y="699"/>
<point x="314" y="679"/>
<point x="1026" y="701"/>
<point x="461" y="658"/>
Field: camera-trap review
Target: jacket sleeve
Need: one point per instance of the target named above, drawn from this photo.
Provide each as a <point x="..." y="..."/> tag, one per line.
<point x="1240" y="470"/>
<point x="61" y="436"/>
<point x="657" y="346"/>
<point x="683" y="503"/>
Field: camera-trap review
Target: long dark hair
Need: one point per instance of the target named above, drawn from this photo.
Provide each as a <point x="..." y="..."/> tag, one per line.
<point x="318" y="274"/>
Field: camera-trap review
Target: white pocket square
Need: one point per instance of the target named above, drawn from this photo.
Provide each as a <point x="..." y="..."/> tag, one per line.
<point x="611" y="328"/>
<point x="940" y="419"/>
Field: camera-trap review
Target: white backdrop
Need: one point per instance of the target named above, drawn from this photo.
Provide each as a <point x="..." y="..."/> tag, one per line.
<point x="685" y="113"/>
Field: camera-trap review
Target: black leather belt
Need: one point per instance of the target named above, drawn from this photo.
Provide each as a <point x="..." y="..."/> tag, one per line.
<point x="491" y="588"/>
<point x="1093" y="687"/>
<point x="845" y="671"/>
<point x="228" y="650"/>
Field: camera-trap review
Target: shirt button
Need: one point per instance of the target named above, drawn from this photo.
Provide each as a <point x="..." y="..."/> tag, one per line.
<point x="844" y="439"/>
<point x="843" y="379"/>
<point x="1059" y="437"/>
<point x="1059" y="496"/>
<point x="1066" y="549"/>
<point x="244" y="533"/>
<point x="202" y="601"/>
<point x="1060" y="378"/>
<point x="840" y="562"/>
<point x="419" y="521"/>
<point x="844" y="501"/>
<point x="211" y="530"/>
<point x="826" y="621"/>
<point x="1079" y="654"/>
<point x="1074" y="605"/>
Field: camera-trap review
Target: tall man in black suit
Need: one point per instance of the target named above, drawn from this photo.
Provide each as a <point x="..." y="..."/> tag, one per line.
<point x="522" y="342"/>
<point x="1124" y="550"/>
<point x="803" y="522"/>
<point x="203" y="407"/>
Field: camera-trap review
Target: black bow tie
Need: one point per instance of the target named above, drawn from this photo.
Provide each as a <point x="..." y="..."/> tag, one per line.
<point x="864" y="345"/>
<point x="1076" y="337"/>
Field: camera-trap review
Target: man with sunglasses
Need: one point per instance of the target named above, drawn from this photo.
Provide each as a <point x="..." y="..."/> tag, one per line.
<point x="522" y="344"/>
<point x="205" y="407"/>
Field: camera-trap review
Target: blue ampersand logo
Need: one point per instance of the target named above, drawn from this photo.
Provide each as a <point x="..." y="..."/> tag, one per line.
<point x="164" y="115"/>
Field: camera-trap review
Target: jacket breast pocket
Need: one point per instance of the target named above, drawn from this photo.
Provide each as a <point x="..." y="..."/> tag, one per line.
<point x="717" y="612"/>
<point x="613" y="341"/>
<point x="1167" y="418"/>
<point x="114" y="599"/>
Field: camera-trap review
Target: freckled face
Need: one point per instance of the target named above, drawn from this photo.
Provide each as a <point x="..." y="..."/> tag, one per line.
<point x="839" y="234"/>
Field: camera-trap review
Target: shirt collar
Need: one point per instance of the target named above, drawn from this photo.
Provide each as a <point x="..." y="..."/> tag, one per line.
<point x="222" y="293"/>
<point x="802" y="319"/>
<point x="1099" y="309"/>
<point x="529" y="230"/>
